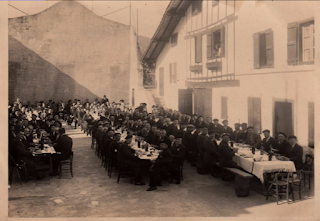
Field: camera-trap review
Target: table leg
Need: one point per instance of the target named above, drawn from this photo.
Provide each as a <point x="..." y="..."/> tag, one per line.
<point x="51" y="172"/>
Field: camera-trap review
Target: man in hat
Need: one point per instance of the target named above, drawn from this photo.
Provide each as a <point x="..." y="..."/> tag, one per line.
<point x="34" y="122"/>
<point x="282" y="146"/>
<point x="226" y="153"/>
<point x="200" y="122"/>
<point x="128" y="159"/>
<point x="244" y="134"/>
<point x="161" y="165"/>
<point x="211" y="152"/>
<point x="267" y="141"/>
<point x="236" y="133"/>
<point x="225" y="128"/>
<point x="200" y="142"/>
<point x="295" y="152"/>
<point x="216" y="127"/>
<point x="187" y="141"/>
<point x="178" y="151"/>
<point x="253" y="138"/>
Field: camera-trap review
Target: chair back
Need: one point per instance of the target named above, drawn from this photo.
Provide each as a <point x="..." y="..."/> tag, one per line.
<point x="308" y="164"/>
<point x="287" y="176"/>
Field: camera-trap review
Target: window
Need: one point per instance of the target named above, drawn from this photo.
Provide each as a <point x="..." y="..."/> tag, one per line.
<point x="198" y="49"/>
<point x="196" y="7"/>
<point x="161" y="81"/>
<point x="173" y="73"/>
<point x="301" y="43"/>
<point x="224" y="107"/>
<point x="254" y="113"/>
<point x="263" y="49"/>
<point x="174" y="39"/>
<point x="215" y="44"/>
<point x="215" y="2"/>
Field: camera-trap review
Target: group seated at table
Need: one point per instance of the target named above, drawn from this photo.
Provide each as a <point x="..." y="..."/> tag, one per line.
<point x="184" y="136"/>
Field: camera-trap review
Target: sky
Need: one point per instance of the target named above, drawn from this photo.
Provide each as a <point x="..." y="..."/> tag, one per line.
<point x="149" y="12"/>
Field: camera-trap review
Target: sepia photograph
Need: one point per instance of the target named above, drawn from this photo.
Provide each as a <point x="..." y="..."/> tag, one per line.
<point x="173" y="108"/>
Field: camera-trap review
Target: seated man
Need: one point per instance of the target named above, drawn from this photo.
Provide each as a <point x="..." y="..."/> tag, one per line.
<point x="295" y="152"/>
<point x="20" y="154"/>
<point x="178" y="153"/>
<point x="253" y="139"/>
<point x="64" y="146"/>
<point x="211" y="152"/>
<point x="282" y="146"/>
<point x="244" y="133"/>
<point x="226" y="154"/>
<point x="225" y="128"/>
<point x="128" y="159"/>
<point x="161" y="165"/>
<point x="236" y="133"/>
<point x="114" y="146"/>
<point x="267" y="141"/>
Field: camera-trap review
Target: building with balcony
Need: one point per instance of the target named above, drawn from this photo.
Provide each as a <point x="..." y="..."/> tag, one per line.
<point x="245" y="61"/>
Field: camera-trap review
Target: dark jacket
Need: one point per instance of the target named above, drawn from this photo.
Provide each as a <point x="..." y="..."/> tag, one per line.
<point x="295" y="154"/>
<point x="126" y="153"/>
<point x="187" y="140"/>
<point x="18" y="150"/>
<point x="113" y="149"/>
<point x="268" y="144"/>
<point x="150" y="138"/>
<point x="254" y="140"/>
<point x="236" y="135"/>
<point x="53" y="136"/>
<point x="178" y="153"/>
<point x="64" y="145"/>
<point x="224" y="130"/>
<point x="172" y="130"/>
<point x="164" y="159"/>
<point x="282" y="147"/>
<point x="200" y="144"/>
<point x="211" y="151"/>
<point x="243" y="135"/>
<point x="225" y="153"/>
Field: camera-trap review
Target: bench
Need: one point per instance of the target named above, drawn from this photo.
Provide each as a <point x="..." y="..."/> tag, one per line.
<point x="242" y="181"/>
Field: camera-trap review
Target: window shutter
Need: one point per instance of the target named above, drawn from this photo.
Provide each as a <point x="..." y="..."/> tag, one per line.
<point x="175" y="72"/>
<point x="292" y="43"/>
<point x="257" y="115"/>
<point x="250" y="111"/>
<point x="209" y="46"/>
<point x="223" y="41"/>
<point x="224" y="107"/>
<point x="170" y="73"/>
<point x="256" y="51"/>
<point x="198" y="49"/>
<point x="269" y="47"/>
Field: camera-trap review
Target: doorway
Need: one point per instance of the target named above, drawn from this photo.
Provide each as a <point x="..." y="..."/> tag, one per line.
<point x="283" y="118"/>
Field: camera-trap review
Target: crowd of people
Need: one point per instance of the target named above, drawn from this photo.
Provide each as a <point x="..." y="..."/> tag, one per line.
<point x="176" y="134"/>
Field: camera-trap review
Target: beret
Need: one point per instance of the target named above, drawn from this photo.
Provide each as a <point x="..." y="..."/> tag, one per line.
<point x="292" y="136"/>
<point x="215" y="119"/>
<point x="268" y="131"/>
<point x="225" y="121"/>
<point x="282" y="134"/>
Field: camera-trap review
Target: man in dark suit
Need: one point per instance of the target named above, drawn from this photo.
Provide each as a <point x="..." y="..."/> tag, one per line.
<point x="282" y="146"/>
<point x="209" y="124"/>
<point x="267" y="141"/>
<point x="200" y="142"/>
<point x="173" y="128"/>
<point x="211" y="152"/>
<point x="253" y="139"/>
<point x="21" y="154"/>
<point x="162" y="138"/>
<point x="161" y="165"/>
<point x="152" y="135"/>
<point x="114" y="148"/>
<point x="34" y="122"/>
<point x="226" y="154"/>
<point x="216" y="127"/>
<point x="128" y="159"/>
<point x="178" y="153"/>
<point x="225" y="128"/>
<point x="200" y="122"/>
<point x="64" y="146"/>
<point x="53" y="133"/>
<point x="106" y="142"/>
<point x="236" y="133"/>
<point x="295" y="152"/>
<point x="244" y="134"/>
<point x="187" y="141"/>
<point x="27" y="139"/>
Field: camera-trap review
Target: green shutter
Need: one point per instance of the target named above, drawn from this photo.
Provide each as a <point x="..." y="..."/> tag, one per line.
<point x="209" y="46"/>
<point x="256" y="51"/>
<point x="292" y="43"/>
<point x="269" y="48"/>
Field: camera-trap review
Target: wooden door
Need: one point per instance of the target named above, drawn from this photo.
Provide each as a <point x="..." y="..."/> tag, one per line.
<point x="203" y="102"/>
<point x="283" y="118"/>
<point x="185" y="101"/>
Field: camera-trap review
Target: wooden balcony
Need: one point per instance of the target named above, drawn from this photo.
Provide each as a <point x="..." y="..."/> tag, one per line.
<point x="214" y="65"/>
<point x="196" y="68"/>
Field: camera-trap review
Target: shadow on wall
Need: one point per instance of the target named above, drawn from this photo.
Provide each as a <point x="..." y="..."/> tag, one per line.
<point x="31" y="78"/>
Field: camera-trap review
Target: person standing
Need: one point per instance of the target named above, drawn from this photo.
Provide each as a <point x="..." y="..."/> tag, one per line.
<point x="225" y="128"/>
<point x="211" y="152"/>
<point x="178" y="154"/>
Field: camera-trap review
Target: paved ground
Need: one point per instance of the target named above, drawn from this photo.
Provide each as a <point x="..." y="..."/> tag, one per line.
<point x="197" y="195"/>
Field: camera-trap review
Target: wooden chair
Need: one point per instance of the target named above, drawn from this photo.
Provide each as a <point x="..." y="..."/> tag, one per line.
<point x="307" y="170"/>
<point x="123" y="171"/>
<point x="295" y="181"/>
<point x="281" y="181"/>
<point x="66" y="162"/>
<point x="17" y="167"/>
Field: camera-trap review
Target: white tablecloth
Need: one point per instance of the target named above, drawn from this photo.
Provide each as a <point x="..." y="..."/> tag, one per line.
<point x="258" y="168"/>
<point x="144" y="154"/>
